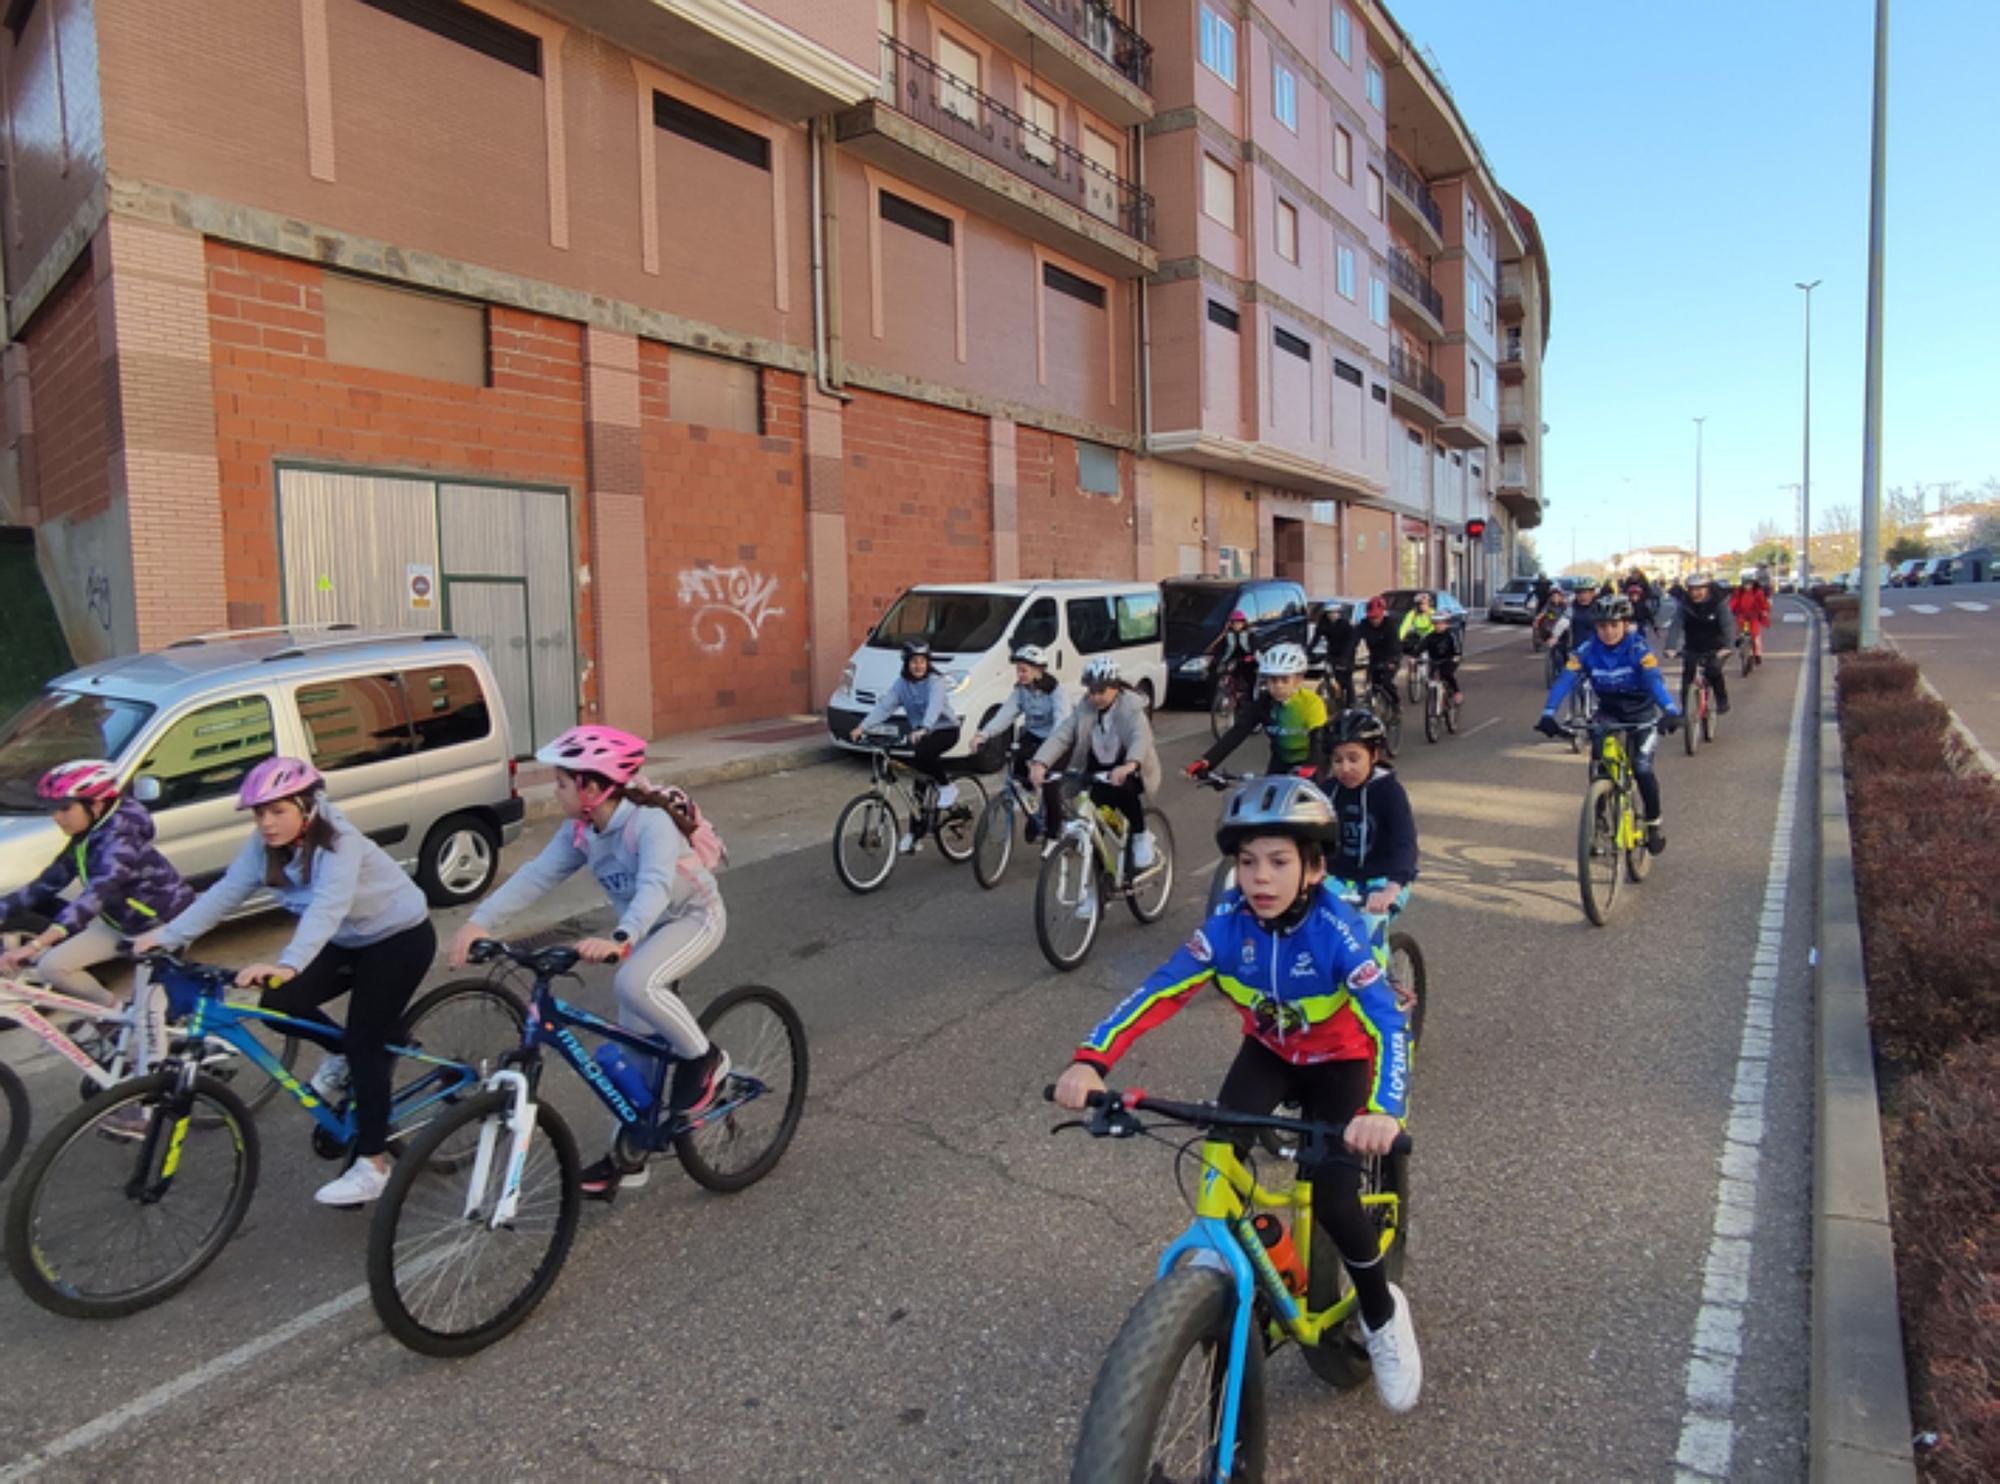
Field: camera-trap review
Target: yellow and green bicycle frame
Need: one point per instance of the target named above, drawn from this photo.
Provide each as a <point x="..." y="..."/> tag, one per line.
<point x="1612" y="763"/>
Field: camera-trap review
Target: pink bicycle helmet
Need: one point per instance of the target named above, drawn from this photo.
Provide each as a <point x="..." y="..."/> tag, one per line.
<point x="277" y="778"/>
<point x="605" y="751"/>
<point x="82" y="781"/>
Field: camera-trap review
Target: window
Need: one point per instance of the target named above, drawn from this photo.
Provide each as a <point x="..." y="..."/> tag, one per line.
<point x="1285" y="97"/>
<point x="1096" y="468"/>
<point x="1345" y="270"/>
<point x="919" y="219"/>
<point x="714" y="392"/>
<point x="1347" y="373"/>
<point x="1374" y="85"/>
<point x="1093" y="627"/>
<point x="206" y="754"/>
<point x="1222" y="314"/>
<point x="958" y="91"/>
<point x="1476" y="372"/>
<point x="704" y="128"/>
<point x="447" y="707"/>
<point x="1343" y="35"/>
<point x="1100" y="185"/>
<point x="1378" y="301"/>
<point x="1218" y="191"/>
<point x="1292" y="344"/>
<point x="1343" y="154"/>
<point x="1065" y="282"/>
<point x="1038" y="624"/>
<point x="55" y="727"/>
<point x="1138" y="617"/>
<point x="1039" y="143"/>
<point x="1471" y="294"/>
<point x="1379" y="392"/>
<point x="403" y="330"/>
<point x="351" y="723"/>
<point x="469" y="28"/>
<point x="1374" y="192"/>
<point x="1218" y="46"/>
<point x="1288" y="231"/>
<point x="1471" y="218"/>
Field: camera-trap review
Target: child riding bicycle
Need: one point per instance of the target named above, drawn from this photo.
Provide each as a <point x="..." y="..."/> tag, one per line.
<point x="1373" y="855"/>
<point x="1041" y="703"/>
<point x="1321" y="1027"/>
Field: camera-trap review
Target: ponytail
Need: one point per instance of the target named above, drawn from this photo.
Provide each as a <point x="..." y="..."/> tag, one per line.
<point x="679" y="807"/>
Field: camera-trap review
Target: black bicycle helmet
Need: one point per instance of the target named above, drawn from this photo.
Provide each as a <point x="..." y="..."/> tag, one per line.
<point x="1285" y="805"/>
<point x="1616" y="608"/>
<point x="913" y="648"/>
<point x="1356" y="725"/>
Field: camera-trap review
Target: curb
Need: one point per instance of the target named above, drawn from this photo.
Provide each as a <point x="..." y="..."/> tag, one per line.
<point x="1859" y="1393"/>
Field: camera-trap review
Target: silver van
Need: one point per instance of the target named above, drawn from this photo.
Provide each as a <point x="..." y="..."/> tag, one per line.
<point x="409" y="730"/>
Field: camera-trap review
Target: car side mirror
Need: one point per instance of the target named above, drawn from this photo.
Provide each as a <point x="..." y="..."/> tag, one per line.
<point x="147" y="790"/>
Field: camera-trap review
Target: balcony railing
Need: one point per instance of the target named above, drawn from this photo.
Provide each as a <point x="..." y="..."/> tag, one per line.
<point x="1410" y="372"/>
<point x="945" y="104"/>
<point x="1124" y="50"/>
<point x="1407" y="274"/>
<point x="1513" y="472"/>
<point x="1410" y="186"/>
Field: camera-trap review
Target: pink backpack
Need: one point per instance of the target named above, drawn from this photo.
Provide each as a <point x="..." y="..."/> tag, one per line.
<point x="704" y="844"/>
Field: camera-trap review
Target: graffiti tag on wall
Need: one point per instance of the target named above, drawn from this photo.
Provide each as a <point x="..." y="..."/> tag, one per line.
<point x="722" y="594"/>
<point x="97" y="598"/>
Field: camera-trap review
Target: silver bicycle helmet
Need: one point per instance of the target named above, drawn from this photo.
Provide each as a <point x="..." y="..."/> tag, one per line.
<point x="1100" y="672"/>
<point x="1276" y="806"/>
<point x="1282" y="659"/>
<point x="1031" y="654"/>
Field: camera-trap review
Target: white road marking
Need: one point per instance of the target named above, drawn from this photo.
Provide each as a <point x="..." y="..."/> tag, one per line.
<point x="1795" y="618"/>
<point x="1924" y="608"/>
<point x="1491" y="721"/>
<point x="1885" y="613"/>
<point x="1708" y="1425"/>
<point x="1969" y="606"/>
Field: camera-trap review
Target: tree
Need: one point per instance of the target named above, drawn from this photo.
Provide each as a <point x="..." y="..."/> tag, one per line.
<point x="1904" y="507"/>
<point x="1839" y="520"/>
<point x="1906" y="547"/>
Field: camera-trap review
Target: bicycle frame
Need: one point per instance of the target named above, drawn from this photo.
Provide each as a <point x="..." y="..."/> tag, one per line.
<point x="24" y="1004"/>
<point x="1106" y="843"/>
<point x="1609" y="760"/>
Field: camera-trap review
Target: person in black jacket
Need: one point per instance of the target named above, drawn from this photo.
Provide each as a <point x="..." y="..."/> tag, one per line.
<point x="1704" y="630"/>
<point x="1375" y="853"/>
<point x="1333" y="637"/>
<point x="1385" y="648"/>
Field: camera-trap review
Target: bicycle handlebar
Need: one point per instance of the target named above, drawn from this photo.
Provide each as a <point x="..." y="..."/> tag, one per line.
<point x="1117" y="1118"/>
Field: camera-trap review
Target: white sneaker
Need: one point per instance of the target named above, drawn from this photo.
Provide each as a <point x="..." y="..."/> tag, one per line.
<point x="362" y="1183"/>
<point x="907" y="845"/>
<point x="947" y="796"/>
<point x="1392" y="1351"/>
<point x="330" y="1082"/>
<point x="1085" y="905"/>
<point x="1143" y="851"/>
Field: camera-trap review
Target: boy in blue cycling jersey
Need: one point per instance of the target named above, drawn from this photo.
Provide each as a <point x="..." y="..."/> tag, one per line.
<point x="1321" y="1027"/>
<point x="1630" y="690"/>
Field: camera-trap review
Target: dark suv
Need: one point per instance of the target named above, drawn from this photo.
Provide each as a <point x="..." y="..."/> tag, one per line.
<point x="1196" y="609"/>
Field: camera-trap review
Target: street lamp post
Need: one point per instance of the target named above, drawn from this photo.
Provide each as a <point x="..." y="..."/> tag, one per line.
<point x="1803" y="566"/>
<point x="1871" y="422"/>
<point x="1697" y="491"/>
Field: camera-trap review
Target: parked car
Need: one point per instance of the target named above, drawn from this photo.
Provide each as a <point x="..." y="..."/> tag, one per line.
<point x="973" y="630"/>
<point x="1904" y="574"/>
<point x="1975" y="565"/>
<point x="1514" y="603"/>
<point x="1198" y="608"/>
<point x="409" y="730"/>
<point x="1937" y="572"/>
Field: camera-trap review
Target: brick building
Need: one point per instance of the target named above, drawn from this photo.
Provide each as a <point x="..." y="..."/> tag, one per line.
<point x="660" y="345"/>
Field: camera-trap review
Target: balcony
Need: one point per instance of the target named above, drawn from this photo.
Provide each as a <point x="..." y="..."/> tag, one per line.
<point x="1510" y="290"/>
<point x="1513" y="472"/>
<point x="1513" y="414"/>
<point x="1513" y="363"/>
<point x="1080" y="46"/>
<point x="935" y="130"/>
<point x="1413" y="298"/>
<point x="1417" y="389"/>
<point x="1516" y="491"/>
<point x="1412" y="200"/>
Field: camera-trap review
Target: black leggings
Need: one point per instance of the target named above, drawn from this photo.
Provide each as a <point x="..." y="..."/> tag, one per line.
<point x="1642" y="742"/>
<point x="927" y="757"/>
<point x="1716" y="665"/>
<point x="1128" y="798"/>
<point x="382" y="977"/>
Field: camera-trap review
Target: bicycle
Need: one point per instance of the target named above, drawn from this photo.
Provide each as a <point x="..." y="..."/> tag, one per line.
<point x="87" y="1207"/>
<point x="868" y="834"/>
<point x="443" y="1243"/>
<point x="1380" y="698"/>
<point x="1698" y="706"/>
<point x="1228" y="1307"/>
<point x="1579" y="710"/>
<point x="1611" y="827"/>
<point x="1442" y="707"/>
<point x="1085" y="864"/>
<point x="1232" y="691"/>
<point x="1006" y="812"/>
<point x="1750" y="649"/>
<point x="1416" y="676"/>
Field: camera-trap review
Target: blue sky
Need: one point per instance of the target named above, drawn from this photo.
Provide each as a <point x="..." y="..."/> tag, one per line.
<point x="1689" y="163"/>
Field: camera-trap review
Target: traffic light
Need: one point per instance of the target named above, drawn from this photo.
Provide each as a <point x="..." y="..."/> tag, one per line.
<point x="1474" y="529"/>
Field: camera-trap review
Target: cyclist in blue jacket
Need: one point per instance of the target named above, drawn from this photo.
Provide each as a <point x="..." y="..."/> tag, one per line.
<point x="1631" y="692"/>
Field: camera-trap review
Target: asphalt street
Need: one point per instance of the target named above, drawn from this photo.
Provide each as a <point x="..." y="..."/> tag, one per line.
<point x="924" y="1287"/>
<point x="1951" y="631"/>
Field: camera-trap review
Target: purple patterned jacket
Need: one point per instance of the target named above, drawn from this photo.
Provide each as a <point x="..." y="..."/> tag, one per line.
<point x="124" y="878"/>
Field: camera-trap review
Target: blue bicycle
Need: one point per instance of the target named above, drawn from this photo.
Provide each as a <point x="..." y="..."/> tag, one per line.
<point x="140" y="1188"/>
<point x="458" y="1259"/>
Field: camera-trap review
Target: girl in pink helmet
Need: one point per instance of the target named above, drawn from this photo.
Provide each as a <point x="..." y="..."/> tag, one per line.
<point x="634" y="839"/>
<point x="364" y="931"/>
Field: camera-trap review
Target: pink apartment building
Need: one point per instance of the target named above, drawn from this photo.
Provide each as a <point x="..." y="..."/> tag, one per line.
<point x="660" y="343"/>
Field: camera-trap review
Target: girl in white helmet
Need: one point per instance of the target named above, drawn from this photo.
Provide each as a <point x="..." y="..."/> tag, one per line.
<point x="1041" y="703"/>
<point x="1112" y="736"/>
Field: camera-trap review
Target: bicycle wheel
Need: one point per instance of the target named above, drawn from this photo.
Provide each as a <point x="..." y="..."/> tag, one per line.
<point x="737" y="1144"/>
<point x="100" y="1227"/>
<point x="1069" y="904"/>
<point x="1155" y="1413"/>
<point x="1711" y="719"/>
<point x="993" y="840"/>
<point x="1413" y="684"/>
<point x="1392" y="724"/>
<point x="448" y="1283"/>
<point x="1222" y="709"/>
<point x="1154" y="887"/>
<point x="1597" y="851"/>
<point x="1748" y="660"/>
<point x="1638" y="859"/>
<point x="1453" y="707"/>
<point x="1691" y="719"/>
<point x="14" y="1118"/>
<point x="1433" y="714"/>
<point x="958" y="826"/>
<point x="1341" y="1357"/>
<point x="864" y="843"/>
<point x="1220" y="885"/>
<point x="1406" y="971"/>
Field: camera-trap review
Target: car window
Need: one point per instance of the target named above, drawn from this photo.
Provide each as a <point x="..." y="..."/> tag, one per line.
<point x="1038" y="625"/>
<point x="1092" y="626"/>
<point x="447" y="706"/>
<point x="355" y="721"/>
<point x="55" y="727"/>
<point x="1138" y="618"/>
<point x="950" y="622"/>
<point x="1270" y="600"/>
<point x="206" y="754"/>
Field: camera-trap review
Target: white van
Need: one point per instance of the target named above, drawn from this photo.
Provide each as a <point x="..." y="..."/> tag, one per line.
<point x="972" y="628"/>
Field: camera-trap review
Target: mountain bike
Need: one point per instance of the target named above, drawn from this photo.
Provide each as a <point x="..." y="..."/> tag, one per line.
<point x="1380" y="697"/>
<point x="105" y="1223"/>
<point x="459" y="1257"/>
<point x="1180" y="1394"/>
<point x="1611" y="831"/>
<point x="1416" y="675"/>
<point x="1087" y="864"/>
<point x="1232" y="691"/>
<point x="867" y="838"/>
<point x="1014" y="810"/>
<point x="1579" y="710"/>
<point x="1442" y="707"/>
<point x="1750" y="648"/>
<point x="1698" y="705"/>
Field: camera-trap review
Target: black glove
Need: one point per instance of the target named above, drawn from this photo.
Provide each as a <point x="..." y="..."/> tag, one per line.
<point x="1548" y="726"/>
<point x="1669" y="724"/>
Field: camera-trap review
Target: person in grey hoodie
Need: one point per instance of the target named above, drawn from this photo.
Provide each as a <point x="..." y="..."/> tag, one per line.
<point x="364" y="931"/>
<point x="924" y="698"/>
<point x="1040" y="701"/>
<point x="1110" y="738"/>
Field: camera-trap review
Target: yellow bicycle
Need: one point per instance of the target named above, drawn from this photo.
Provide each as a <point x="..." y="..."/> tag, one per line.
<point x="1611" y="833"/>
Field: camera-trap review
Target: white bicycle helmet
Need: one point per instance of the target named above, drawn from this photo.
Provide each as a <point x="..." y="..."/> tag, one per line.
<point x="1100" y="672"/>
<point x="1031" y="654"/>
<point x="1282" y="659"/>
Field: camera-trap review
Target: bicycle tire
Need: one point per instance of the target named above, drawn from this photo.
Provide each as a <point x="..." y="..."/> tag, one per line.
<point x="40" y="1273"/>
<point x="1048" y="899"/>
<point x="1431" y="717"/>
<point x="1341" y="1358"/>
<point x="881" y="824"/>
<point x="1452" y="710"/>
<point x="1187" y="1311"/>
<point x="1691" y="719"/>
<point x="1414" y="683"/>
<point x="993" y="839"/>
<point x="1404" y="947"/>
<point x="439" y="1191"/>
<point x="1392" y="728"/>
<point x="697" y="1148"/>
<point x="1749" y="661"/>
<point x="1711" y="721"/>
<point x="1220" y="884"/>
<point x="1638" y="859"/>
<point x="15" y="1117"/>
<point x="1600" y="816"/>
<point x="1148" y="898"/>
<point x="1221" y="709"/>
<point x="957" y="826"/>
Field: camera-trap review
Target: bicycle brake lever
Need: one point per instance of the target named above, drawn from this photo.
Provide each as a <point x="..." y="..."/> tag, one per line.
<point x="1068" y="1124"/>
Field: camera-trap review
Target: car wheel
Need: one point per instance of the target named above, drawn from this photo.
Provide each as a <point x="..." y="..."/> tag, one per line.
<point x="460" y="857"/>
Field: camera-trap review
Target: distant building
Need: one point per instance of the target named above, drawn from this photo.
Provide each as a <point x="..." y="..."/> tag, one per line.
<point x="1669" y="563"/>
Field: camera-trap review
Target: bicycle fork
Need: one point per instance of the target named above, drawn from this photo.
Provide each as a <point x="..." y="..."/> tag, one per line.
<point x="515" y="1084"/>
